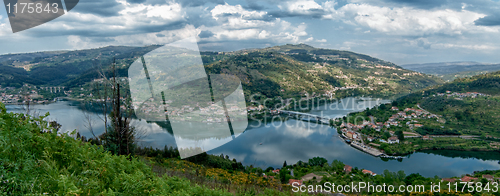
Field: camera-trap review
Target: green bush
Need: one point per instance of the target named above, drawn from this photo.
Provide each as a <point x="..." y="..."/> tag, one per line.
<point x="35" y="159"/>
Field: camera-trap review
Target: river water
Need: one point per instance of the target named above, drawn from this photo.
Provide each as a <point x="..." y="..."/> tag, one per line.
<point x="270" y="143"/>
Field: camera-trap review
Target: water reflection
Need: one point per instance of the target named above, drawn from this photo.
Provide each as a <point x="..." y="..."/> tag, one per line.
<point x="271" y="143"/>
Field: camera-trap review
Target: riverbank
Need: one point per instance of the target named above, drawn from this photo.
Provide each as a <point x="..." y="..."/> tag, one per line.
<point x="412" y="145"/>
<point x="372" y="151"/>
<point x="278" y="141"/>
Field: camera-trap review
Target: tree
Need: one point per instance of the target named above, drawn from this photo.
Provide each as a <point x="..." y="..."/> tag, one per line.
<point x="119" y="139"/>
<point x="284" y="175"/>
<point x="338" y="123"/>
<point x="400" y="134"/>
<point x="386" y="135"/>
<point x="269" y="169"/>
<point x="317" y="161"/>
<point x="337" y="165"/>
<point x="369" y="112"/>
<point x="284" y="164"/>
<point x="410" y="179"/>
<point x="88" y="117"/>
<point x="102" y="95"/>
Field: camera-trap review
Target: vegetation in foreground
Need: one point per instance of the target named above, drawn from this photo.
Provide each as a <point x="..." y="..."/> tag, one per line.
<point x="37" y="160"/>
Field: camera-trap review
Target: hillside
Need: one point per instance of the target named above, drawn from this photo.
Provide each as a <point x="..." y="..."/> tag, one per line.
<point x="468" y="105"/>
<point x="461" y="115"/>
<point x="297" y="70"/>
<point x="449" y="71"/>
<point x="286" y="71"/>
<point x="60" y="68"/>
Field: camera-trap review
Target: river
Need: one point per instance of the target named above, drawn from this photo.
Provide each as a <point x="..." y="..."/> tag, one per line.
<point x="265" y="144"/>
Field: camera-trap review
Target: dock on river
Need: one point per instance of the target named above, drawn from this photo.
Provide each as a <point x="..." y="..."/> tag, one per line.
<point x="367" y="149"/>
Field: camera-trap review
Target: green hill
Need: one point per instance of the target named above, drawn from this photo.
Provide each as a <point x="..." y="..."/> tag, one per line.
<point x="461" y="115"/>
<point x="62" y="67"/>
<point x="286" y="71"/>
<point x="467" y="106"/>
<point x="294" y="70"/>
<point x="37" y="160"/>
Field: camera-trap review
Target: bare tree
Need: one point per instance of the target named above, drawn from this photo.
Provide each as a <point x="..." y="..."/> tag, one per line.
<point x="119" y="137"/>
<point x="89" y="120"/>
<point x="26" y="104"/>
<point x="102" y="96"/>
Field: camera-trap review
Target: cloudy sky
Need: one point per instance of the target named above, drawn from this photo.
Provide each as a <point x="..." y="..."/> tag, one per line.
<point x="400" y="31"/>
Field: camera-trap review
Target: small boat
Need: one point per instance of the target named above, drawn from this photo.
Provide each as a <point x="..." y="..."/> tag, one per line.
<point x="260" y="144"/>
<point x="348" y="141"/>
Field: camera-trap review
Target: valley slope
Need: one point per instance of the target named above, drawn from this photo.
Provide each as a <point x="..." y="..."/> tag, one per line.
<point x="283" y="71"/>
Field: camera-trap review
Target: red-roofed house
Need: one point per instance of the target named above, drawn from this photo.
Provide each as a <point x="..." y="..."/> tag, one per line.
<point x="488" y="177"/>
<point x="448" y="180"/>
<point x="368" y="172"/>
<point x="295" y="182"/>
<point x="276" y="171"/>
<point x="347" y="169"/>
<point x="467" y="179"/>
<point x="418" y="125"/>
<point x="270" y="177"/>
<point x="351" y="135"/>
<point x="393" y="140"/>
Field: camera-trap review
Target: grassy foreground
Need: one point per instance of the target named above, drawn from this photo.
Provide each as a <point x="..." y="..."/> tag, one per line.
<point x="36" y="160"/>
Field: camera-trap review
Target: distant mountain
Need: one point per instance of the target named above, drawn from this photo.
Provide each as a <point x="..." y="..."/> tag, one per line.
<point x="293" y="70"/>
<point x="451" y="70"/>
<point x="60" y="67"/>
<point x="286" y="71"/>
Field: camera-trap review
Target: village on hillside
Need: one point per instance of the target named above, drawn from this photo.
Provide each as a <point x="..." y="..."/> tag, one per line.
<point x="369" y="135"/>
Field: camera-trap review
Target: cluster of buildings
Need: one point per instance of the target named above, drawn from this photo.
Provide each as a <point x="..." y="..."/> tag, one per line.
<point x="409" y="113"/>
<point x="31" y="96"/>
<point x="211" y="114"/>
<point x="348" y="169"/>
<point x="471" y="179"/>
<point x="461" y="95"/>
<point x="10" y="99"/>
<point x="254" y="108"/>
<point x="350" y="131"/>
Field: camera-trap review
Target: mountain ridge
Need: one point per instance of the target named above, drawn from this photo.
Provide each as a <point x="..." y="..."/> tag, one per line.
<point x="460" y="69"/>
<point x="285" y="71"/>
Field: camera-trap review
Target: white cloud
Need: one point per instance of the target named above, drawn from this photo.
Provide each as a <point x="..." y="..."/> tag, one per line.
<point x="439" y="44"/>
<point x="168" y="12"/>
<point x="167" y="36"/>
<point x="221" y="10"/>
<point x="330" y="12"/>
<point x="237" y="23"/>
<point x="301" y="7"/>
<point x="465" y="46"/>
<point x="135" y="19"/>
<point x="407" y="21"/>
<point x="4" y="28"/>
